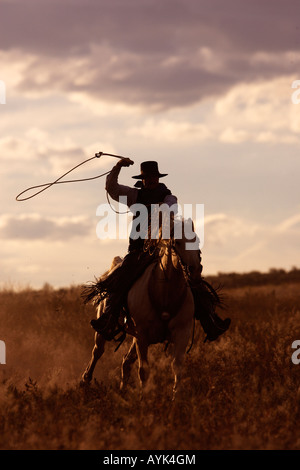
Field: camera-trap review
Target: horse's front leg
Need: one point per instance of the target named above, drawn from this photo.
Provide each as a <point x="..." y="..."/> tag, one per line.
<point x="97" y="352"/>
<point x="179" y="338"/>
<point x="128" y="360"/>
<point x="177" y="366"/>
<point x="142" y="352"/>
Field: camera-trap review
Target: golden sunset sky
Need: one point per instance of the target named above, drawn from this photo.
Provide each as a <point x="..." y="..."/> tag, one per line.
<point x="203" y="87"/>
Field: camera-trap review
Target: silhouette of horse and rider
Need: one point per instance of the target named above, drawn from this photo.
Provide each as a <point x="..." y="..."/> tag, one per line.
<point x="157" y="290"/>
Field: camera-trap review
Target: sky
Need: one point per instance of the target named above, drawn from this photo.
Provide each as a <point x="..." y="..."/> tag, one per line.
<point x="202" y="87"/>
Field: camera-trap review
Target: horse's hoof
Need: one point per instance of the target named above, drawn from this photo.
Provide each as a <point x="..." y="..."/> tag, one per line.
<point x="85" y="380"/>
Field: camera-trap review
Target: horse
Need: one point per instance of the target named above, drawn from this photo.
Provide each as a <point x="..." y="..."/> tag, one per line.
<point x="160" y="305"/>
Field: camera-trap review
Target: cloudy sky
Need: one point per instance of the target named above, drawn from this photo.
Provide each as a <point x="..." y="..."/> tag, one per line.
<point x="203" y="87"/>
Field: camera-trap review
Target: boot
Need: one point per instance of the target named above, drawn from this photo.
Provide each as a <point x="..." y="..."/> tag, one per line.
<point x="133" y="265"/>
<point x="211" y="323"/>
<point x="107" y="324"/>
<point x="217" y="327"/>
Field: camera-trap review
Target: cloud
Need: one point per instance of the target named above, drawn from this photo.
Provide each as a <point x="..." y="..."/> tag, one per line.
<point x="224" y="230"/>
<point x="259" y="112"/>
<point x="36" y="227"/>
<point x="234" y="136"/>
<point x="292" y="223"/>
<point x="149" y="54"/>
<point x="36" y="151"/>
<point x="168" y="130"/>
<point x="36" y="144"/>
<point x="233" y="243"/>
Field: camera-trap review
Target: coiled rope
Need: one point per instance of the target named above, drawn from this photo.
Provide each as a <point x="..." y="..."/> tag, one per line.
<point x="58" y="180"/>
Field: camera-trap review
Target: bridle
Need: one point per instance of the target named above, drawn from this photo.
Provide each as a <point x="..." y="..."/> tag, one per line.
<point x="153" y="247"/>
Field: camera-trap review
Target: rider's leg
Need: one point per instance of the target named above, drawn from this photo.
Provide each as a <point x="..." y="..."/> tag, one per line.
<point x="124" y="273"/>
<point x="132" y="266"/>
<point x="205" y="306"/>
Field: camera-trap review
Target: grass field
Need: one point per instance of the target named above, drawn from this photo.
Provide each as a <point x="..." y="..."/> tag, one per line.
<point x="241" y="392"/>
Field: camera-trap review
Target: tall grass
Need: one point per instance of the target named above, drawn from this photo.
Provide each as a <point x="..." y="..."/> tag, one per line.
<point x="241" y="392"/>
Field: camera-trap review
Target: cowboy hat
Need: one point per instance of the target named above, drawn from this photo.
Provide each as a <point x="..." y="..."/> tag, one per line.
<point x="149" y="168"/>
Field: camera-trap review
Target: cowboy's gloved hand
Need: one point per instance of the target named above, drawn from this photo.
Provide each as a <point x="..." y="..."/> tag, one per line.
<point x="125" y="162"/>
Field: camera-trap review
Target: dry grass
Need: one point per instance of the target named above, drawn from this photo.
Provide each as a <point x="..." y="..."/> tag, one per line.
<point x="242" y="392"/>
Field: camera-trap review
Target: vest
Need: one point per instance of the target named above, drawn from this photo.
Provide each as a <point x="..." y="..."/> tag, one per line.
<point x="147" y="197"/>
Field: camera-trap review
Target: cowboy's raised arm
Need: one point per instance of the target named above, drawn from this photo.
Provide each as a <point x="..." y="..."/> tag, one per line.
<point x="114" y="189"/>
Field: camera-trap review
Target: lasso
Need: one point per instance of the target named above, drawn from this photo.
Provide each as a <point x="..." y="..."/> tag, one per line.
<point x="57" y="181"/>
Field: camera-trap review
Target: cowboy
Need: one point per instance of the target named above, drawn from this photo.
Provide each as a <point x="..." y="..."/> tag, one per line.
<point x="148" y="190"/>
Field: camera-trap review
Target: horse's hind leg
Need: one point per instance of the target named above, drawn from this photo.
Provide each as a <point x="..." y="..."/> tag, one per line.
<point x="177" y="365"/>
<point x="142" y="352"/>
<point x="97" y="352"/>
<point x="179" y="339"/>
<point x="128" y="360"/>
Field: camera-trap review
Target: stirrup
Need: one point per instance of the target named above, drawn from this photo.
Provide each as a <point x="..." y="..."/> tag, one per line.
<point x="107" y="326"/>
<point x="120" y="339"/>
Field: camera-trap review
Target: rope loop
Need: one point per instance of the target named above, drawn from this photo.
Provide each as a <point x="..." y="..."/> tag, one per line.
<point x="58" y="180"/>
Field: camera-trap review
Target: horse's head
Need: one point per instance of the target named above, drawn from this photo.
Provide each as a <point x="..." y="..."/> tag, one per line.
<point x="178" y="237"/>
